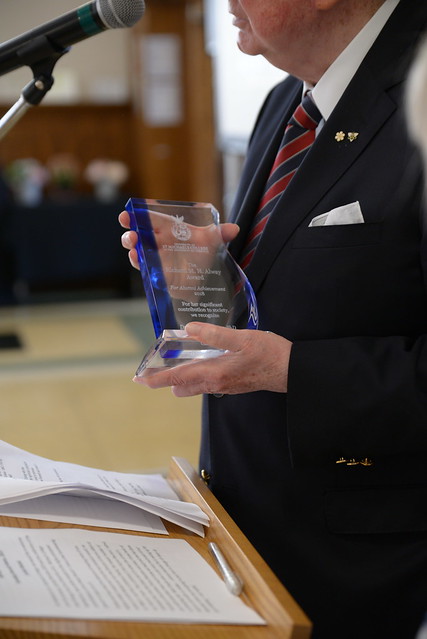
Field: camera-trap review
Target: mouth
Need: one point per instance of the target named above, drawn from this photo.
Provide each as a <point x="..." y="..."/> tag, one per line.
<point x="238" y="22"/>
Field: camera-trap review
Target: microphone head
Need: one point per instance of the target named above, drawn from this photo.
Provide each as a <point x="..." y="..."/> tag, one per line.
<point x="120" y="13"/>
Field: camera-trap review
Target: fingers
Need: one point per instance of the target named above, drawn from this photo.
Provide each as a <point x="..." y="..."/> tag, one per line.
<point x="229" y="231"/>
<point x="200" y="376"/>
<point x="133" y="258"/>
<point x="250" y="361"/>
<point x="124" y="219"/>
<point x="129" y="240"/>
<point x="227" y="339"/>
<point x="228" y="374"/>
<point x="188" y="379"/>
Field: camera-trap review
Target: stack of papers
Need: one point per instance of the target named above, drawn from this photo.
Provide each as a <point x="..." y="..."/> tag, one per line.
<point x="38" y="488"/>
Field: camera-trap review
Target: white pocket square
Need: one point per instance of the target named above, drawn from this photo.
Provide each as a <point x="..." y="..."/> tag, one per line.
<point x="347" y="214"/>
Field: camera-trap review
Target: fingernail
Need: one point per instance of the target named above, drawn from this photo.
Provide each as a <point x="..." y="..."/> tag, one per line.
<point x="194" y="328"/>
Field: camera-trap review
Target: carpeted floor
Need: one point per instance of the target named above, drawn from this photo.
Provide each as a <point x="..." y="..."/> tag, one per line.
<point x="66" y="390"/>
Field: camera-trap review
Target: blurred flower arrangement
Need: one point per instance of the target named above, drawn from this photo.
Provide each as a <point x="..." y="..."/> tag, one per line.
<point x="27" y="178"/>
<point x="64" y="171"/>
<point x="106" y="176"/>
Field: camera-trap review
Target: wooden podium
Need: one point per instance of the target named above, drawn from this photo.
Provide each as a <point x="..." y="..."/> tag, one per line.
<point x="262" y="590"/>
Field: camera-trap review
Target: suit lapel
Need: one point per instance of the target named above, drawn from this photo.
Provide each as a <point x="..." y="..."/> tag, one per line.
<point x="327" y="161"/>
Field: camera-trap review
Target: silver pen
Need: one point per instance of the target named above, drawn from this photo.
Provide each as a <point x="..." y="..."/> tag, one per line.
<point x="232" y="581"/>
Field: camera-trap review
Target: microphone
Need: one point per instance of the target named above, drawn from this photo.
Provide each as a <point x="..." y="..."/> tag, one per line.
<point x="76" y="25"/>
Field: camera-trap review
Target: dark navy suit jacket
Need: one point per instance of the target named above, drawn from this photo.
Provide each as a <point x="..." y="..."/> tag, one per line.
<point x="348" y="540"/>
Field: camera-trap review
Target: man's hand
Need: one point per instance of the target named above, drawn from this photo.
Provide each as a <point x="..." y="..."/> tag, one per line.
<point x="255" y="360"/>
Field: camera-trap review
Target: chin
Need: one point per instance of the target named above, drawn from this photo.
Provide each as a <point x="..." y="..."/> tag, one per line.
<point x="248" y="46"/>
<point x="244" y="50"/>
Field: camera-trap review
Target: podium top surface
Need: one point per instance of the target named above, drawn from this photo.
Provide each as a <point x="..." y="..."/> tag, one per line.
<point x="262" y="590"/>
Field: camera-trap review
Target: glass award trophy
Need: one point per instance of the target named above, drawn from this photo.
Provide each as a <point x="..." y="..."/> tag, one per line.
<point x="188" y="275"/>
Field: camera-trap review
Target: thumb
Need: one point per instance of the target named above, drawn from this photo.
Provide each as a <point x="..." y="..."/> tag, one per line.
<point x="229" y="231"/>
<point x="227" y="339"/>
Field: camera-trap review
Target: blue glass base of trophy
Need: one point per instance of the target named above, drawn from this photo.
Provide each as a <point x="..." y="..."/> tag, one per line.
<point x="174" y="348"/>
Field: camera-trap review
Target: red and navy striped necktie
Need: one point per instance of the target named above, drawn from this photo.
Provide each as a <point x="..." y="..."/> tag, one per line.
<point x="299" y="135"/>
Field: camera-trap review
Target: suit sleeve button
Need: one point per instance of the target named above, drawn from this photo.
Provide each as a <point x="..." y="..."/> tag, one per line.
<point x="205" y="475"/>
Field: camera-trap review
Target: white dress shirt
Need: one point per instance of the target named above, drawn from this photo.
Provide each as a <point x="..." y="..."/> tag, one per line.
<point x="335" y="80"/>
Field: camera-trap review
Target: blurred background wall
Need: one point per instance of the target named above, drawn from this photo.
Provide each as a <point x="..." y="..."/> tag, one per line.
<point x="161" y="110"/>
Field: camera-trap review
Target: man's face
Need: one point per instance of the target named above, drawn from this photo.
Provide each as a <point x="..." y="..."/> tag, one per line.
<point x="276" y="29"/>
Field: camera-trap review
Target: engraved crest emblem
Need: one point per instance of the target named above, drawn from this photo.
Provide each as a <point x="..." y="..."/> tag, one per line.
<point x="180" y="229"/>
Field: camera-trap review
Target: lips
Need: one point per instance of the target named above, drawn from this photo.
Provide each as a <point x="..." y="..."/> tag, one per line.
<point x="239" y="22"/>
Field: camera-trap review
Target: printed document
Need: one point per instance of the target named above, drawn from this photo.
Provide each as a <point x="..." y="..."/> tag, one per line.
<point x="82" y="574"/>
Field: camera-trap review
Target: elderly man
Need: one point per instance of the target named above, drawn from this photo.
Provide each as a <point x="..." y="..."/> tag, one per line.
<point x="315" y="427"/>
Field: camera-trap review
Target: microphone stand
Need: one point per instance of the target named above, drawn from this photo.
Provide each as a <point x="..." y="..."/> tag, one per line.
<point x="40" y="55"/>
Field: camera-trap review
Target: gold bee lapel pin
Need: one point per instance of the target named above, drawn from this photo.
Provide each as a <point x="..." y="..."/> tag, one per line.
<point x="352" y="136"/>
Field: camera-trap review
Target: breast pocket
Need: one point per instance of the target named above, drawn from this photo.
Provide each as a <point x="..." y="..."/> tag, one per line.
<point x="333" y="275"/>
<point x="341" y="235"/>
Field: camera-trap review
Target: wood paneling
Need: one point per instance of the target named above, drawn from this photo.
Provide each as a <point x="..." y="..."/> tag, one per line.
<point x="177" y="162"/>
<point x="86" y="131"/>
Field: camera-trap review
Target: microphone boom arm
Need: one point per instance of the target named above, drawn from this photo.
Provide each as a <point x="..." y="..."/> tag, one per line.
<point x="40" y="55"/>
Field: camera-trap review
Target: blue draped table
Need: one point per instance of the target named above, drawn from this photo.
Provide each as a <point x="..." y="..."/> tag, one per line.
<point x="68" y="245"/>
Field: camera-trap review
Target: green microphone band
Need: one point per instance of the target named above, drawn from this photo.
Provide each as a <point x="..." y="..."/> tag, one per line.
<point x="87" y="21"/>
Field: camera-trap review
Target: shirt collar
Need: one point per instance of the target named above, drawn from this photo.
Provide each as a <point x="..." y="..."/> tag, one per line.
<point x="335" y="80"/>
